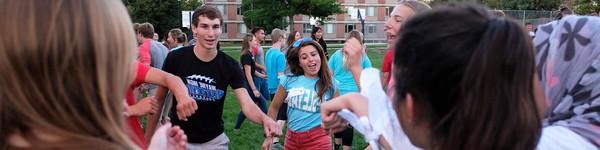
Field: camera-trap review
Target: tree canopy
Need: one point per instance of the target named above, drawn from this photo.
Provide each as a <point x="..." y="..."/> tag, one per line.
<point x="514" y="4"/>
<point x="162" y="14"/>
<point x="271" y="14"/>
<point x="586" y="7"/>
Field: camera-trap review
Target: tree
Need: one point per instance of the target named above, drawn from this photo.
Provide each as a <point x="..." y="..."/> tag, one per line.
<point x="523" y="4"/>
<point x="270" y="14"/>
<point x="163" y="14"/>
<point x="585" y="7"/>
<point x="513" y="4"/>
<point x="190" y="4"/>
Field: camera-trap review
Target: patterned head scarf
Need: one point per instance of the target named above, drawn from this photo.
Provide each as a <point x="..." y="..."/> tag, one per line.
<point x="568" y="62"/>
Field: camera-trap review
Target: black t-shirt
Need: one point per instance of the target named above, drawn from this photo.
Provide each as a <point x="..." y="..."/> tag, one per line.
<point x="248" y="59"/>
<point x="207" y="83"/>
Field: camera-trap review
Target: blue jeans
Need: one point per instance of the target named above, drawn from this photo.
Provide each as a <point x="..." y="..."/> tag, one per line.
<point x="262" y="87"/>
<point x="260" y="101"/>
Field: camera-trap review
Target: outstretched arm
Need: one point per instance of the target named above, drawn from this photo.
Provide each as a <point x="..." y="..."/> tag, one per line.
<point x="186" y="106"/>
<point x="352" y="101"/>
<point x="273" y="111"/>
<point x="254" y="114"/>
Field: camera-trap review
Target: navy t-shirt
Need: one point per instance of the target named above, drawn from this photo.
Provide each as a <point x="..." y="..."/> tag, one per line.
<point x="207" y="84"/>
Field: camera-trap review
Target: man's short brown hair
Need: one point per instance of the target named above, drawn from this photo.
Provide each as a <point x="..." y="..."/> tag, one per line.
<point x="277" y="34"/>
<point x="146" y="29"/>
<point x="206" y="11"/>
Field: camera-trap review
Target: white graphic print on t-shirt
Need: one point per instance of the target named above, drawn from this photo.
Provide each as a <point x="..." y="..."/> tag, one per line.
<point x="303" y="99"/>
<point x="203" y="88"/>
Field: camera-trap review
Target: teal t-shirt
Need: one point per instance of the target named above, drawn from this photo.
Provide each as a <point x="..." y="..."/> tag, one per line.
<point x="343" y="75"/>
<point x="274" y="62"/>
<point x="303" y="103"/>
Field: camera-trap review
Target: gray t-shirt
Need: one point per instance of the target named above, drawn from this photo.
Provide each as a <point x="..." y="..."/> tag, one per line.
<point x="158" y="53"/>
<point x="259" y="57"/>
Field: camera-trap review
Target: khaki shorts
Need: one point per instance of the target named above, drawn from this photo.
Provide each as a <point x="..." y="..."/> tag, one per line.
<point x="221" y="142"/>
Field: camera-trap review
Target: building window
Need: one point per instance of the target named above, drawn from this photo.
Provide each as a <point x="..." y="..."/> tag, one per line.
<point x="388" y="11"/>
<point x="224" y="28"/>
<point x="242" y="28"/>
<point x="222" y="9"/>
<point x="329" y="28"/>
<point x="307" y="28"/>
<point x="370" y="11"/>
<point x="349" y="27"/>
<point x="371" y="28"/>
<point x="239" y="10"/>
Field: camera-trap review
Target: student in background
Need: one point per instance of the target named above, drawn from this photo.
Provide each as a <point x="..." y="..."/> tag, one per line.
<point x="259" y="57"/>
<point x="275" y="63"/>
<point x="393" y="26"/>
<point x="317" y="35"/>
<point x="348" y="79"/>
<point x="176" y="39"/>
<point x="292" y="37"/>
<point x="249" y="69"/>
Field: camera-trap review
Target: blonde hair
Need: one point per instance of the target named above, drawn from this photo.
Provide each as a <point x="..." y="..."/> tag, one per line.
<point x="358" y="36"/>
<point x="417" y="6"/>
<point x="65" y="69"/>
<point x="277" y="34"/>
<point x="355" y="34"/>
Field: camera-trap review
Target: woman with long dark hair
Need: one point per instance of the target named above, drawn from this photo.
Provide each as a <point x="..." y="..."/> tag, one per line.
<point x="317" y="35"/>
<point x="292" y="37"/>
<point x="308" y="85"/>
<point x="249" y="69"/>
<point x="463" y="81"/>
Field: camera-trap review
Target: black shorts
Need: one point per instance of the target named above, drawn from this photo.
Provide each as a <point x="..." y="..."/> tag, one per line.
<point x="282" y="114"/>
<point x="347" y="136"/>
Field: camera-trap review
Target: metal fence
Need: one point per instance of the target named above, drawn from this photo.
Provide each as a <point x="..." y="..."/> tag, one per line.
<point x="530" y="16"/>
<point x="376" y="34"/>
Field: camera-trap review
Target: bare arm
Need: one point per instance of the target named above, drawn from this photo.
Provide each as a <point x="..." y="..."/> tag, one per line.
<point x="354" y="50"/>
<point x="248" y="74"/>
<point x="385" y="78"/>
<point x="261" y="75"/>
<point x="248" y="107"/>
<point x="153" y="119"/>
<point x="259" y="66"/>
<point x="186" y="106"/>
<point x="353" y="101"/>
<point x="356" y="70"/>
<point x="254" y="114"/>
<point x="280" y="95"/>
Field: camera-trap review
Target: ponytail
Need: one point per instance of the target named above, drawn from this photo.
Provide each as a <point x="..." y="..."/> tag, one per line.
<point x="494" y="94"/>
<point x="471" y="77"/>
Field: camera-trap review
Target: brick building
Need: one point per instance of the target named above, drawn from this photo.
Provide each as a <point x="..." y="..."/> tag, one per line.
<point x="377" y="11"/>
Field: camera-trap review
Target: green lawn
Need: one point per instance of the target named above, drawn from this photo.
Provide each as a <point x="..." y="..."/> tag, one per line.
<point x="250" y="135"/>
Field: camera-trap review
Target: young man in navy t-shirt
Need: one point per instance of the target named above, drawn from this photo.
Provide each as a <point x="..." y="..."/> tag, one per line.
<point x="207" y="72"/>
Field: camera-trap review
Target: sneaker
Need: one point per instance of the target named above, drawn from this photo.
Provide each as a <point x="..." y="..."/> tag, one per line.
<point x="236" y="130"/>
<point x="277" y="146"/>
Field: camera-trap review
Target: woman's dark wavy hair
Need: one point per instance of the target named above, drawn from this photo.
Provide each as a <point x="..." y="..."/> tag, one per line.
<point x="471" y="76"/>
<point x="325" y="83"/>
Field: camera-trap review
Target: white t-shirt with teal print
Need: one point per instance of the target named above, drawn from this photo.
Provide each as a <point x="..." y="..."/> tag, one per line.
<point x="303" y="102"/>
<point x="343" y="75"/>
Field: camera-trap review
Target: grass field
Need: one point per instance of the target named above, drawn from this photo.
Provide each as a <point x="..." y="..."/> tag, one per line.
<point x="250" y="135"/>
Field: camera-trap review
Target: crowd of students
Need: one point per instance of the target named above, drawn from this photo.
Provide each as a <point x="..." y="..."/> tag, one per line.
<point x="455" y="77"/>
